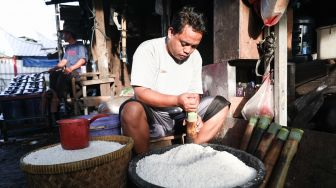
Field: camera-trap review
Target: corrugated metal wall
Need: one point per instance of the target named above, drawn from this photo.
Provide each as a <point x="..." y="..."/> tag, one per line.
<point x="7" y="71"/>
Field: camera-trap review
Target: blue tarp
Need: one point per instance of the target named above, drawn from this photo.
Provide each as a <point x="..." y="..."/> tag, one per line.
<point x="39" y="62"/>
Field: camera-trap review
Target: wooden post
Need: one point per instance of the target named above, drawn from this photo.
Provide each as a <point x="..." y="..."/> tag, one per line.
<point x="101" y="47"/>
<point x="124" y="52"/>
<point x="280" y="72"/>
<point x="236" y="34"/>
<point x="59" y="36"/>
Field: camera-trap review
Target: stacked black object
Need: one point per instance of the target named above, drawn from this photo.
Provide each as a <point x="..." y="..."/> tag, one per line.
<point x="25" y="84"/>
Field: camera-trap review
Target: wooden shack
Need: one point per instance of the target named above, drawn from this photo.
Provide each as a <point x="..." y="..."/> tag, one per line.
<point x="229" y="51"/>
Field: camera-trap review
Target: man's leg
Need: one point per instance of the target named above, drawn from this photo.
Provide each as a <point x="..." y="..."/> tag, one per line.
<point x="213" y="111"/>
<point x="134" y="124"/>
<point x="65" y="85"/>
<point x="53" y="77"/>
<point x="211" y="127"/>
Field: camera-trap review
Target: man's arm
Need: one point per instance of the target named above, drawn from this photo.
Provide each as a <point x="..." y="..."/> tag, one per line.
<point x="187" y="101"/>
<point x="59" y="65"/>
<point x="77" y="65"/>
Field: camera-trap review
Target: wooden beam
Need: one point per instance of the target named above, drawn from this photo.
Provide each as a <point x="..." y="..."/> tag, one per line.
<point x="236" y="32"/>
<point x="101" y="46"/>
<point x="280" y="72"/>
<point x="98" y="81"/>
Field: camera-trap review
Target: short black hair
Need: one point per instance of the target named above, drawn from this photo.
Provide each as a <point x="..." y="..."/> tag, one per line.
<point x="189" y="16"/>
<point x="73" y="35"/>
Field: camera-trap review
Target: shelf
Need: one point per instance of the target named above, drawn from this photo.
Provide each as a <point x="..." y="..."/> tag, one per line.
<point x="243" y="62"/>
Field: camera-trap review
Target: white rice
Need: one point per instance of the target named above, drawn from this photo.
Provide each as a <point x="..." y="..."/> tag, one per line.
<point x="192" y="165"/>
<point x="57" y="155"/>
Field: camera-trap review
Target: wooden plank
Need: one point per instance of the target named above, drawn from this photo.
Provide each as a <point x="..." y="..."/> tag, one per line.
<point x="236" y="34"/>
<point x="165" y="141"/>
<point x="250" y="32"/>
<point x="89" y="74"/>
<point x="225" y="30"/>
<point x="99" y="81"/>
<point x="95" y="75"/>
<point x="280" y="72"/>
<point x="159" y="144"/>
<point x="95" y="101"/>
<point x="172" y="137"/>
<point x="101" y="46"/>
<point x="289" y="31"/>
<point x="232" y="133"/>
<point x="237" y="31"/>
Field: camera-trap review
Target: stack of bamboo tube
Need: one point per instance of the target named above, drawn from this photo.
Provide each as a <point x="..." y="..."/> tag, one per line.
<point x="274" y="144"/>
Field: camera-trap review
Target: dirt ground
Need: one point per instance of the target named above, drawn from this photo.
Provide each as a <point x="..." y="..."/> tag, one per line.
<point x="11" y="152"/>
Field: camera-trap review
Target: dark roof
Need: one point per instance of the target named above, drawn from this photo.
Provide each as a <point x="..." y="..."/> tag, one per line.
<point x="51" y="2"/>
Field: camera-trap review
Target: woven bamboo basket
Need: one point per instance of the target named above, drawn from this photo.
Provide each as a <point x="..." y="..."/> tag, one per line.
<point x="109" y="170"/>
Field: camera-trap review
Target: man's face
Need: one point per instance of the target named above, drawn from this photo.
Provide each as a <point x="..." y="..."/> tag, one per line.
<point x="66" y="36"/>
<point x="181" y="45"/>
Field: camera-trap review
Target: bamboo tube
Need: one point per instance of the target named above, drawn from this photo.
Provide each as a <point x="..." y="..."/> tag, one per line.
<point x="280" y="171"/>
<point x="123" y="39"/>
<point x="273" y="154"/>
<point x="257" y="134"/>
<point x="191" y="127"/>
<point x="266" y="140"/>
<point x="248" y="132"/>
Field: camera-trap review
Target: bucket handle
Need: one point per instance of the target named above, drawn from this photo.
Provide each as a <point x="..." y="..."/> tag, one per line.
<point x="97" y="117"/>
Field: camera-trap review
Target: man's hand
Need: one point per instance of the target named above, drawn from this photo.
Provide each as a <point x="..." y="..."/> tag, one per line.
<point x="68" y="70"/>
<point x="60" y="65"/>
<point x="53" y="69"/>
<point x="199" y="124"/>
<point x="189" y="101"/>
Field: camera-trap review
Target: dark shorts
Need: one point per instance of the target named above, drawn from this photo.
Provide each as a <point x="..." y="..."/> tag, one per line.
<point x="61" y="82"/>
<point x="168" y="121"/>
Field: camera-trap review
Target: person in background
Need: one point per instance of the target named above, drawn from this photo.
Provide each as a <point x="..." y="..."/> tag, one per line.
<point x="167" y="81"/>
<point x="75" y="56"/>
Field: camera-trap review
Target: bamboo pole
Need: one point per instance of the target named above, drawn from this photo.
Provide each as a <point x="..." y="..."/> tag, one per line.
<point x="279" y="174"/>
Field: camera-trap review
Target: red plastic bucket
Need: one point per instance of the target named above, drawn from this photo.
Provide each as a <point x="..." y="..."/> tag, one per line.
<point x="74" y="133"/>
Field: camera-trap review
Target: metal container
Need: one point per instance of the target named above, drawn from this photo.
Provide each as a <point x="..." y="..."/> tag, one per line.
<point x="104" y="126"/>
<point x="326" y="42"/>
<point x="247" y="158"/>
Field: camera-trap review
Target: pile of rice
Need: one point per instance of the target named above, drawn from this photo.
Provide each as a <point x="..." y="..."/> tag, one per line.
<point x="193" y="165"/>
<point x="57" y="155"/>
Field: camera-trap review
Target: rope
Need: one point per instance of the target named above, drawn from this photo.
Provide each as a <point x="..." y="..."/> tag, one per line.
<point x="266" y="50"/>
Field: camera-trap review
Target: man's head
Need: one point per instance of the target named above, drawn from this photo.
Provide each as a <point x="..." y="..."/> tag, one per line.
<point x="67" y="36"/>
<point x="68" y="33"/>
<point x="185" y="33"/>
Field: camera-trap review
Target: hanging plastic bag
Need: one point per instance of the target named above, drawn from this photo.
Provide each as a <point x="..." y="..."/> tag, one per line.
<point x="272" y="10"/>
<point x="262" y="102"/>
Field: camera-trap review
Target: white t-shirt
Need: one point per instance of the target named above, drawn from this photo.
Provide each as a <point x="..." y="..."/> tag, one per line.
<point x="154" y="68"/>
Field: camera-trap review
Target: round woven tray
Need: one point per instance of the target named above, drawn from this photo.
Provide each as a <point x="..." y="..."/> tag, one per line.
<point x="247" y="158"/>
<point x="105" y="170"/>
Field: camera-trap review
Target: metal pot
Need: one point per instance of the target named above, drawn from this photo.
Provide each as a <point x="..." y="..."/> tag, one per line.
<point x="247" y="158"/>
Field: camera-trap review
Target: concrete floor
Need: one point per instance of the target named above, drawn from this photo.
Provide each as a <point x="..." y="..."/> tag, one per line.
<point x="11" y="152"/>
